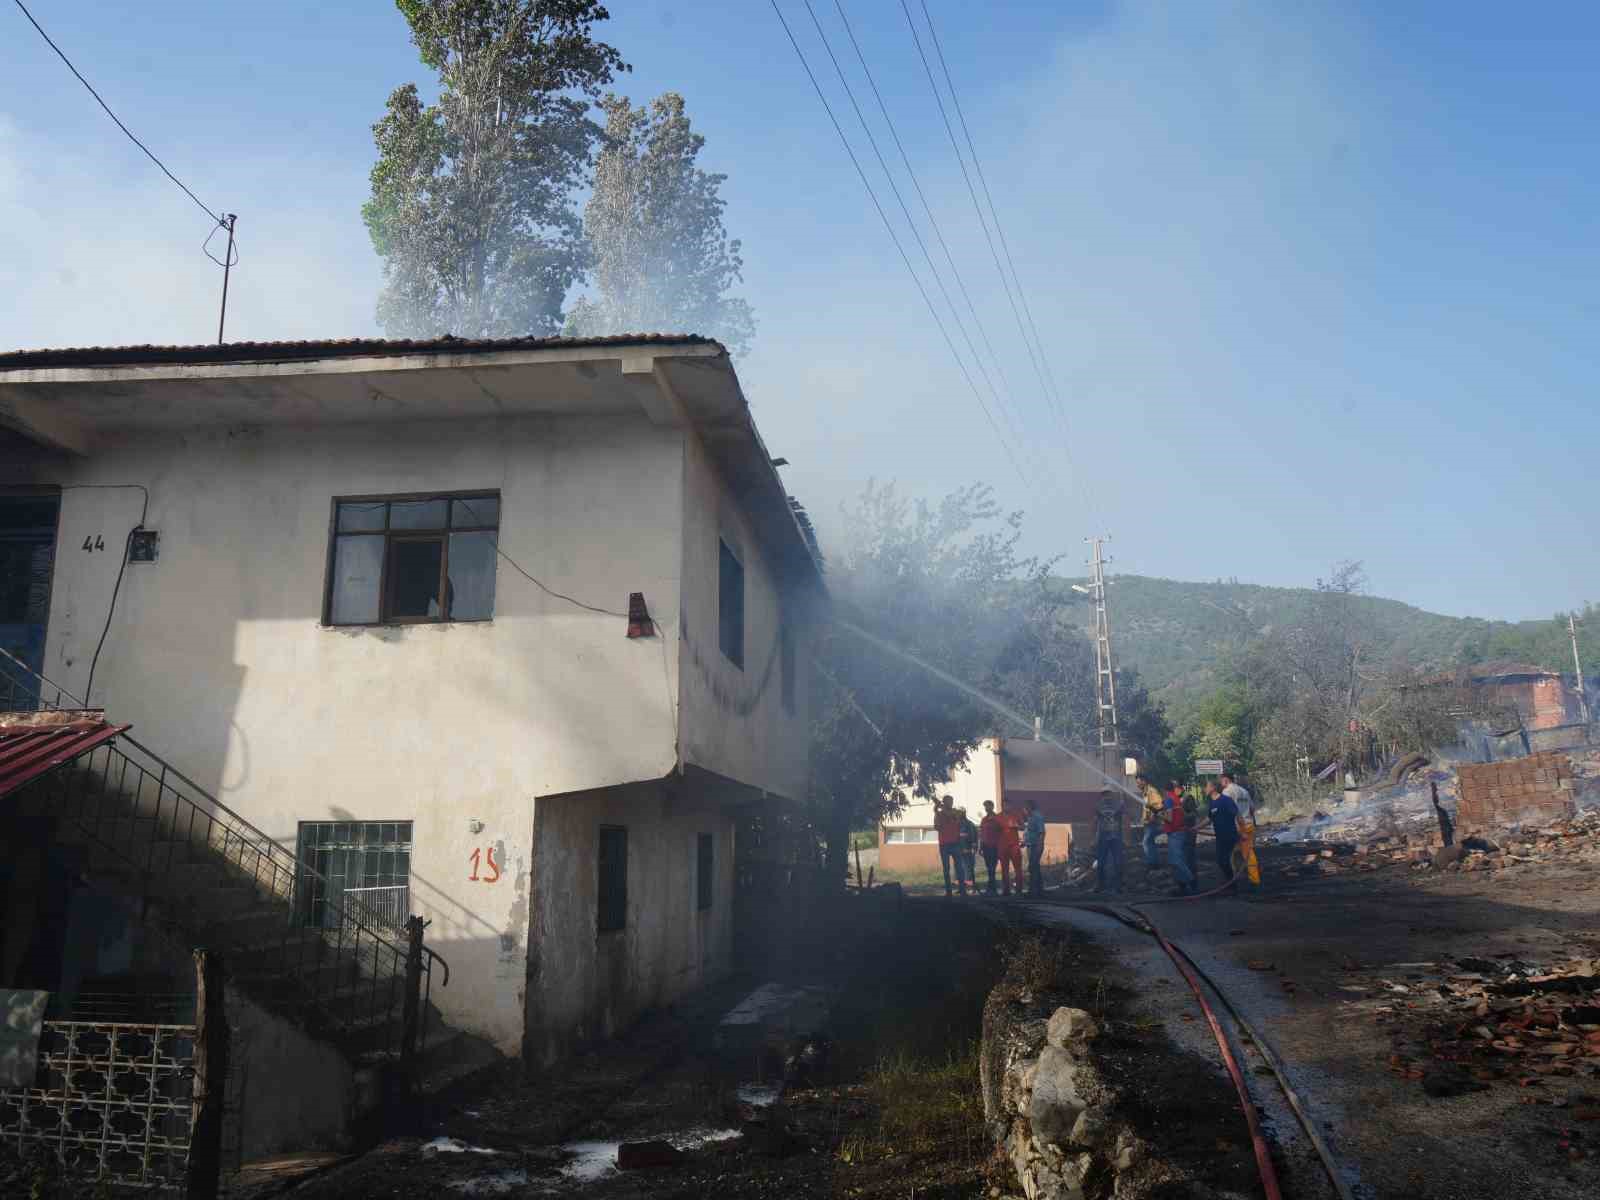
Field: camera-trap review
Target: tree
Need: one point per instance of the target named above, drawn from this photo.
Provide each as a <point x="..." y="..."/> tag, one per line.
<point x="472" y="197"/>
<point x="662" y="259"/>
<point x="915" y="586"/>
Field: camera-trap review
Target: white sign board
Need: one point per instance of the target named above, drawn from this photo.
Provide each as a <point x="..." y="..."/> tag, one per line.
<point x="1208" y="766"/>
<point x="22" y="1023"/>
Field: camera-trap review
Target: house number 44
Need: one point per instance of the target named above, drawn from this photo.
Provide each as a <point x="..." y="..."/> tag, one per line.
<point x="483" y="860"/>
<point x="91" y="544"/>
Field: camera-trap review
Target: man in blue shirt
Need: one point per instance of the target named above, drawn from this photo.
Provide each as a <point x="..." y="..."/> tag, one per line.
<point x="1225" y="824"/>
<point x="1033" y="839"/>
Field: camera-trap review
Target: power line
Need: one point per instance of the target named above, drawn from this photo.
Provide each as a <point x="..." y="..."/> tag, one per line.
<point x="1016" y="421"/>
<point x="1047" y="377"/>
<point x="148" y="154"/>
<point x="893" y="237"/>
<point x="1051" y="400"/>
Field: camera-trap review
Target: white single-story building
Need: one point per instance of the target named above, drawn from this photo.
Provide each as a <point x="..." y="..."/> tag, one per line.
<point x="385" y="601"/>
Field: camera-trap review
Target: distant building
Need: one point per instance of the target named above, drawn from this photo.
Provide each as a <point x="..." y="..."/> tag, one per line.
<point x="1010" y="772"/>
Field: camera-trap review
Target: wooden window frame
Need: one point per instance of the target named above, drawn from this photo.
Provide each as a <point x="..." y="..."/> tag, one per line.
<point x="441" y="535"/>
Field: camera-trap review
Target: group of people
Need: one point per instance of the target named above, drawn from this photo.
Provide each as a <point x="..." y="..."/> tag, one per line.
<point x="1000" y="837"/>
<point x="1176" y="814"/>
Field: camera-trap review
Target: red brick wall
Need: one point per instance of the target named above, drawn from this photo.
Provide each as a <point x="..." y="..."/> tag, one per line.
<point x="1536" y="789"/>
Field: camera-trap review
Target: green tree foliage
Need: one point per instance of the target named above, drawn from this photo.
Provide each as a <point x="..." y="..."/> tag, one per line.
<point x="472" y="204"/>
<point x="662" y="260"/>
<point x="933" y="581"/>
<point x="944" y="584"/>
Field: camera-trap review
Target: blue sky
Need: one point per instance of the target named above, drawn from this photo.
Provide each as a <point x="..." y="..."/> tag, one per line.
<point x="1315" y="281"/>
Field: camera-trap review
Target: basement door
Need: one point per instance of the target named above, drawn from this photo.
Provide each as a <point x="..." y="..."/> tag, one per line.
<point x="368" y="862"/>
<point x="27" y="562"/>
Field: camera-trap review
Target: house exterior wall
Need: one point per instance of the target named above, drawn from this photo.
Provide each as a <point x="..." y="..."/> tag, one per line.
<point x="734" y="721"/>
<point x="217" y="655"/>
<point x="584" y="985"/>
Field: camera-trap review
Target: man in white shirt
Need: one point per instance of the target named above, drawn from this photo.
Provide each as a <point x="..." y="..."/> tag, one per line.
<point x="1241" y="799"/>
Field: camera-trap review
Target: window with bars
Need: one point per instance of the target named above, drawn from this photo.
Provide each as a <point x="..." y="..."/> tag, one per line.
<point x="368" y="860"/>
<point x="412" y="559"/>
<point x="705" y="883"/>
<point x="613" y="898"/>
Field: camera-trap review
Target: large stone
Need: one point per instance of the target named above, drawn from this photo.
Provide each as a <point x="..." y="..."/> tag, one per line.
<point x="1070" y="1028"/>
<point x="1017" y="1088"/>
<point x="1055" y="1103"/>
<point x="1093" y="1128"/>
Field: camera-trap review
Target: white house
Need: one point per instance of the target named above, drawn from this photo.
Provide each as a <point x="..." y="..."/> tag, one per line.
<point x="377" y="601"/>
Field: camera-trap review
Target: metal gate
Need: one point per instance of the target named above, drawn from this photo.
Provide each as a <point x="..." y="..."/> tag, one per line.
<point x="111" y="1102"/>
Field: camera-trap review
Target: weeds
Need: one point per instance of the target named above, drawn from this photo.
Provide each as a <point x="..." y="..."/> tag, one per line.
<point x="1036" y="964"/>
<point x="926" y="1108"/>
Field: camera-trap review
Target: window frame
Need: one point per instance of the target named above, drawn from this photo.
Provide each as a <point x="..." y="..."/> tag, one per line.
<point x="603" y="909"/>
<point x="390" y="535"/>
<point x="725" y="547"/>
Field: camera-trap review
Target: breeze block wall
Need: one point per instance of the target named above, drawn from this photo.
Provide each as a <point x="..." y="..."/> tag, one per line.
<point x="1533" y="790"/>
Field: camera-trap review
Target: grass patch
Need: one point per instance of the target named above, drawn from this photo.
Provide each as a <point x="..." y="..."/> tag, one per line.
<point x="864" y="839"/>
<point x="926" y="1107"/>
<point x="1037" y="964"/>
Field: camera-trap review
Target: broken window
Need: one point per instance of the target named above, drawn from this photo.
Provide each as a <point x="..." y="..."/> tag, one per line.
<point x="405" y="559"/>
<point x="730" y="605"/>
<point x="367" y="863"/>
<point x="613" y="897"/>
<point x="705" y="862"/>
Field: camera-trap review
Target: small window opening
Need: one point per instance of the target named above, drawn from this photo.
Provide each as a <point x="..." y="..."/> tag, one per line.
<point x="786" y="664"/>
<point x="730" y="605"/>
<point x="613" y="901"/>
<point x="704" y="874"/>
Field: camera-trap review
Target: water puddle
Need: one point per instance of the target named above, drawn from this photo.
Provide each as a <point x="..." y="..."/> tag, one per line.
<point x="592" y="1160"/>
<point x="450" y="1145"/>
<point x="501" y="1183"/>
<point x="759" y="1095"/>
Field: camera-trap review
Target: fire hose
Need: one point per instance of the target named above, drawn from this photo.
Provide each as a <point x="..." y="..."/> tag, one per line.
<point x="1193" y="974"/>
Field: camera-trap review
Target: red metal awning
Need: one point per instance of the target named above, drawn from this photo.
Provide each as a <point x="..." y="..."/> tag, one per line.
<point x="29" y="751"/>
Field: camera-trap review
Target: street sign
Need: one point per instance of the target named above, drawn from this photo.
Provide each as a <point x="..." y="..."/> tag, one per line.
<point x="1208" y="766"/>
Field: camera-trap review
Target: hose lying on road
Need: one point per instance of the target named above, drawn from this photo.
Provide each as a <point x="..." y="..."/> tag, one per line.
<point x="1258" y="1140"/>
<point x="1193" y="975"/>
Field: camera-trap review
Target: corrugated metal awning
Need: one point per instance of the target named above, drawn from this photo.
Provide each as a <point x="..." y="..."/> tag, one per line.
<point x="31" y="750"/>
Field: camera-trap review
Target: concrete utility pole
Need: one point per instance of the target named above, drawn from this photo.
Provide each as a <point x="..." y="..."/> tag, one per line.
<point x="1105" y="680"/>
<point x="1583" y="694"/>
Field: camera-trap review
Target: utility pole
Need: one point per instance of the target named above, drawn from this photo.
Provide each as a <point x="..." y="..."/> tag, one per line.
<point x="1105" y="680"/>
<point x="1577" y="666"/>
<point x="227" y="266"/>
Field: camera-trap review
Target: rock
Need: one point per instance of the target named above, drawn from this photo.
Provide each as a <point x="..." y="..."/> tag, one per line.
<point x="1055" y="1103"/>
<point x="1130" y="1151"/>
<point x="635" y="1156"/>
<point x="1069" y="1027"/>
<point x="1093" y="1128"/>
<point x="1448" y="855"/>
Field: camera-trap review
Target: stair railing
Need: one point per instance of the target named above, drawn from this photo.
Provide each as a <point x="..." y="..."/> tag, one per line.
<point x="348" y="974"/>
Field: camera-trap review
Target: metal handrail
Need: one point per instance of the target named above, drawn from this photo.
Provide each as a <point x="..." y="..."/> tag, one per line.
<point x="240" y="839"/>
<point x="263" y="843"/>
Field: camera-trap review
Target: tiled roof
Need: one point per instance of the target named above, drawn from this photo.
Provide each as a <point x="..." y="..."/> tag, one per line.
<point x="228" y="352"/>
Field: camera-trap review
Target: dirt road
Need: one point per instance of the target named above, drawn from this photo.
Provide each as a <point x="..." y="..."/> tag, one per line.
<point x="1378" y="991"/>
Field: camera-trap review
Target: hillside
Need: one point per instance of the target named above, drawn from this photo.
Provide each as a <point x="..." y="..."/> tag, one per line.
<point x="1173" y="631"/>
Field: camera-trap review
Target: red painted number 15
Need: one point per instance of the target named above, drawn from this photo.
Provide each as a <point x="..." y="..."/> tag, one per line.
<point x="484" y="858"/>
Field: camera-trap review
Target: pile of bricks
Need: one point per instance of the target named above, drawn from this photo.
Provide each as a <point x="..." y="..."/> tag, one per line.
<point x="1533" y="790"/>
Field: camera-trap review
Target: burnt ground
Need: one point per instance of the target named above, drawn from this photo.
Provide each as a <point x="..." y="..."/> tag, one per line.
<point x="894" y="1110"/>
<point x="1401" y="1001"/>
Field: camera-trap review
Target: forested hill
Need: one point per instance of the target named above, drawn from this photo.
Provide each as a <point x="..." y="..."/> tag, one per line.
<point x="1173" y="632"/>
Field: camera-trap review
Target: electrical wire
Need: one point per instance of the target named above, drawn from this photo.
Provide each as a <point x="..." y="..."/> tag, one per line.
<point x="127" y="546"/>
<point x="147" y="151"/>
<point x="893" y="237"/>
<point x="1041" y="368"/>
<point x="515" y="565"/>
<point x="1013" y="421"/>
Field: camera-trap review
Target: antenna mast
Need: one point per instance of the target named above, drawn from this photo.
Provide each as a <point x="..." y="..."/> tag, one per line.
<point x="1105" y="680"/>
